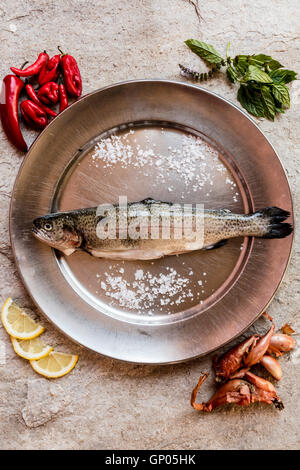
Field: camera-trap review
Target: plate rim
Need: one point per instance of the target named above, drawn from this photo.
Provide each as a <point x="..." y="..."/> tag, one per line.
<point x="182" y="84"/>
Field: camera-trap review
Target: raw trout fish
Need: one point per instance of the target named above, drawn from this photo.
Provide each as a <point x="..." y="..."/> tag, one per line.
<point x="77" y="230"/>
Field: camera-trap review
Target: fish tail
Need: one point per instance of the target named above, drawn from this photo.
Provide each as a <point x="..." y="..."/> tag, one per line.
<point x="273" y="226"/>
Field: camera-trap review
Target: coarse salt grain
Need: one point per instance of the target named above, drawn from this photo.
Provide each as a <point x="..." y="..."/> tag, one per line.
<point x="171" y="288"/>
<point x="190" y="162"/>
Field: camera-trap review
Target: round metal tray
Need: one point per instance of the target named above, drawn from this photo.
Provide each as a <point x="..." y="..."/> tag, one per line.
<point x="217" y="293"/>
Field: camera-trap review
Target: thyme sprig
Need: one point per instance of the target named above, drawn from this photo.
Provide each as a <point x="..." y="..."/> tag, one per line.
<point x="262" y="79"/>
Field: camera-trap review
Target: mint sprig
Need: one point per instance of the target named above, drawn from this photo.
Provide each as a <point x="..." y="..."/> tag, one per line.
<point x="262" y="79"/>
<point x="283" y="75"/>
<point x="255" y="74"/>
<point x="205" y="51"/>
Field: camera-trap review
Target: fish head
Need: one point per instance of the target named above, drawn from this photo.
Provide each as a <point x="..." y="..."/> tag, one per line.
<point x="58" y="231"/>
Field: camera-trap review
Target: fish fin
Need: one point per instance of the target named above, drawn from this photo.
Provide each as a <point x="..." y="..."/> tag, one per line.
<point x="224" y="211"/>
<point x="216" y="245"/>
<point x="85" y="250"/>
<point x="279" y="231"/>
<point x="275" y="228"/>
<point x="68" y="251"/>
<point x="150" y="200"/>
<point x="275" y="214"/>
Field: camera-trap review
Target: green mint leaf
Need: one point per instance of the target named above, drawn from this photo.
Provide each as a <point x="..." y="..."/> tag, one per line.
<point x="268" y="102"/>
<point x="283" y="76"/>
<point x="261" y="59"/>
<point x="256" y="74"/>
<point x="251" y="101"/>
<point x="281" y="93"/>
<point x="241" y="63"/>
<point x="205" y="51"/>
<point x="274" y="64"/>
<point x="231" y="74"/>
<point x="279" y="110"/>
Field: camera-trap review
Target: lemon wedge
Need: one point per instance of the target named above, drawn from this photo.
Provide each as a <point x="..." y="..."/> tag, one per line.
<point x="55" y="365"/>
<point x="17" y="323"/>
<point x="30" y="348"/>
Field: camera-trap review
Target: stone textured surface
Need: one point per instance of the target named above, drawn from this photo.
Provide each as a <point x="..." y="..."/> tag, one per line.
<point x="103" y="403"/>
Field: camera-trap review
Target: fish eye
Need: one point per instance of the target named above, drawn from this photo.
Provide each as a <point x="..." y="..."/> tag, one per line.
<point x="48" y="226"/>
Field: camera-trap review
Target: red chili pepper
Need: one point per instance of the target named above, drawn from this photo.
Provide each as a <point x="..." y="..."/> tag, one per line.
<point x="33" y="114"/>
<point x="33" y="69"/>
<point x="9" y="96"/>
<point x="50" y="71"/>
<point x="63" y="98"/>
<point x="72" y="77"/>
<point x="48" y="93"/>
<point x="33" y="96"/>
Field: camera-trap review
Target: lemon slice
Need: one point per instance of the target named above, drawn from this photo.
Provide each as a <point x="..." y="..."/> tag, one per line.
<point x="30" y="348"/>
<point x="17" y="323"/>
<point x="55" y="365"/>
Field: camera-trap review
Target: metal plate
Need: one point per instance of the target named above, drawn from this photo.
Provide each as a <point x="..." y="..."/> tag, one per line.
<point x="198" y="301"/>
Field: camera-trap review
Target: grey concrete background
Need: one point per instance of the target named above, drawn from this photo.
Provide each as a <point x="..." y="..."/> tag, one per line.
<point x="104" y="404"/>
